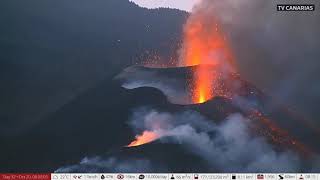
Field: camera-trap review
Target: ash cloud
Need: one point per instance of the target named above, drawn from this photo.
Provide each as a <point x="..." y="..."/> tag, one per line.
<point x="282" y="47"/>
<point x="227" y="147"/>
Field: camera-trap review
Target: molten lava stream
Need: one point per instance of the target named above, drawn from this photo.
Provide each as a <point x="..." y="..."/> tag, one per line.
<point x="144" y="138"/>
<point x="278" y="135"/>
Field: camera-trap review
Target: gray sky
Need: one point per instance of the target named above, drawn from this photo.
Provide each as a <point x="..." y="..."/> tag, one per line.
<point x="179" y="4"/>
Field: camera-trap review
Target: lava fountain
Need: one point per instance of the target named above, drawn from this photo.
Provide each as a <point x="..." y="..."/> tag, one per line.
<point x="202" y="84"/>
<point x="204" y="43"/>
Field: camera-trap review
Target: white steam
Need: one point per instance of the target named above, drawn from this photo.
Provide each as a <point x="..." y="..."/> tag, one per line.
<point x="228" y="147"/>
<point x="109" y="164"/>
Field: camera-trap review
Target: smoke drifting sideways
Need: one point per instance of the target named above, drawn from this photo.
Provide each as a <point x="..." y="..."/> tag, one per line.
<point x="277" y="51"/>
<point x="227" y="147"/>
<point x="110" y="164"/>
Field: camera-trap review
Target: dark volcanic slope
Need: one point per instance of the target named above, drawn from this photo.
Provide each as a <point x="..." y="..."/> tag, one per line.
<point x="166" y="157"/>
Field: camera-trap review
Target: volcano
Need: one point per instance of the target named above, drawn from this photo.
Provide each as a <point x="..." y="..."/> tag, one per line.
<point x="197" y="110"/>
<point x="233" y="95"/>
<point x="174" y="125"/>
<point x="68" y="85"/>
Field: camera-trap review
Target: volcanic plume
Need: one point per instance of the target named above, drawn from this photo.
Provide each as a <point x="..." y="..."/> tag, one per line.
<point x="204" y="43"/>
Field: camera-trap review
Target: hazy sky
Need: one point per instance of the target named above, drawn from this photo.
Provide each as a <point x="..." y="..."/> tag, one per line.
<point x="179" y="4"/>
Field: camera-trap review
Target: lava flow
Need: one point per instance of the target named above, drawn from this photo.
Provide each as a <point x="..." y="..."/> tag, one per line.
<point x="145" y="137"/>
<point x="204" y="44"/>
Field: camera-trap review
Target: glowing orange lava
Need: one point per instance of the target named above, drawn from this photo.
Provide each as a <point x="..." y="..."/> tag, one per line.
<point x="204" y="44"/>
<point x="278" y="135"/>
<point x="203" y="84"/>
<point x="145" y="137"/>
